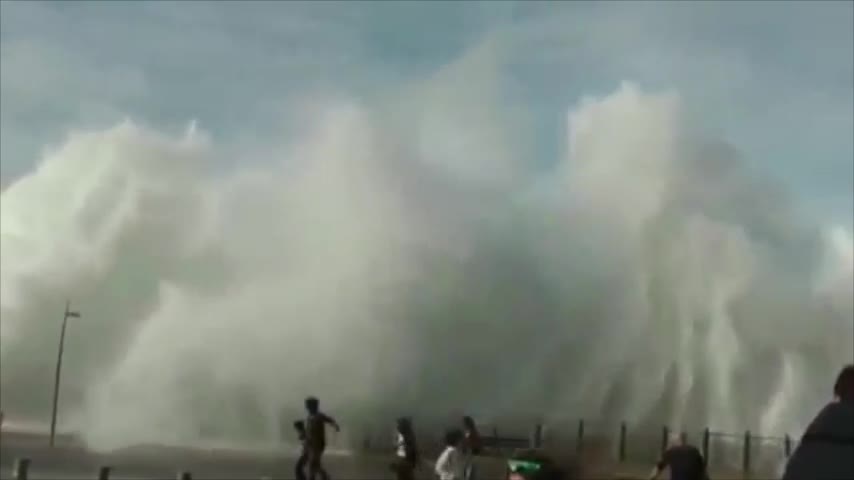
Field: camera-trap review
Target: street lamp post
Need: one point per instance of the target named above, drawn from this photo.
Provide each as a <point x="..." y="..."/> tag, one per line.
<point x="68" y="314"/>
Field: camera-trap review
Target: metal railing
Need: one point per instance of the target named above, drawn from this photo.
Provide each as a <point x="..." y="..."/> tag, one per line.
<point x="21" y="471"/>
<point x="745" y="452"/>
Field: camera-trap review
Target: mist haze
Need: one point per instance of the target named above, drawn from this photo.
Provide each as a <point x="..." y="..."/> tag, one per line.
<point x="403" y="253"/>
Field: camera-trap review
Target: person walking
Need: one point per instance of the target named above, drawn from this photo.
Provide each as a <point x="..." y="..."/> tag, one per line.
<point x="406" y="451"/>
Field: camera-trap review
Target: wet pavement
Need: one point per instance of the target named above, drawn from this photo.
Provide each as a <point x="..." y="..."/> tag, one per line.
<point x="70" y="460"/>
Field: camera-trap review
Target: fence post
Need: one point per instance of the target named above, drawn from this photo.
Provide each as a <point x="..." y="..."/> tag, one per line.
<point x="787" y="445"/>
<point x="537" y="436"/>
<point x="495" y="436"/>
<point x="185" y="476"/>
<point x="746" y="454"/>
<point x="22" y="468"/>
<point x="706" y="435"/>
<point x="579" y="439"/>
<point x="623" y="430"/>
<point x="665" y="432"/>
<point x="104" y="473"/>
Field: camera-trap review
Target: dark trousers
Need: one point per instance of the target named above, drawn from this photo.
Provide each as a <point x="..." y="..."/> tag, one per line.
<point x="311" y="457"/>
<point x="299" y="468"/>
<point x="403" y="469"/>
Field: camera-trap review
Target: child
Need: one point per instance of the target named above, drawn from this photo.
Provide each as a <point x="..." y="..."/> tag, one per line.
<point x="299" y="468"/>
<point x="299" y="426"/>
<point x="451" y="464"/>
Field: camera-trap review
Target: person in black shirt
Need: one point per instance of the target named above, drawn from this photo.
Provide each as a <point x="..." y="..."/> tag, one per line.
<point x="684" y="461"/>
<point x="826" y="450"/>
<point x="315" y="437"/>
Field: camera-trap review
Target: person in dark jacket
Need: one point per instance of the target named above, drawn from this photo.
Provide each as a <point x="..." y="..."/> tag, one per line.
<point x="684" y="461"/>
<point x="826" y="449"/>
<point x="472" y="445"/>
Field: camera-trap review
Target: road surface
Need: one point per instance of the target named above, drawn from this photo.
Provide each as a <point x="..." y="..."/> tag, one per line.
<point x="70" y="460"/>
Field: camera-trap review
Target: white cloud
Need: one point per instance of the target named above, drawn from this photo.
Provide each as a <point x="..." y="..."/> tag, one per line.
<point x="238" y="66"/>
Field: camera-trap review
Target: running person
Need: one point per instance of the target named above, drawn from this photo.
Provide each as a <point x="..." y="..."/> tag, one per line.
<point x="315" y="440"/>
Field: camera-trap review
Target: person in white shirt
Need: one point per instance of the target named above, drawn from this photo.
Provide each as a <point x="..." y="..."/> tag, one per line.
<point x="451" y="464"/>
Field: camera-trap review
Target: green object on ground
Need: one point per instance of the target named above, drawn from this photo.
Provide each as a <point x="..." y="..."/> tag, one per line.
<point x="524" y="466"/>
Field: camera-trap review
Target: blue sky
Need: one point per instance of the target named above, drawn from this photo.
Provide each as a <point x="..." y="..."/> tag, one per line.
<point x="775" y="79"/>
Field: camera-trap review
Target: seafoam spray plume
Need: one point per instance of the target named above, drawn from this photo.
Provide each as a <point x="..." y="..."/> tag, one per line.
<point x="402" y="257"/>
